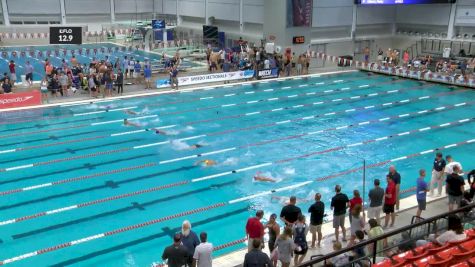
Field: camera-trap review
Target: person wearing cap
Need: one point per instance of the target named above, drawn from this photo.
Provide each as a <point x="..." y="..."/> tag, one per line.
<point x="376" y="196"/>
<point x="176" y="254"/>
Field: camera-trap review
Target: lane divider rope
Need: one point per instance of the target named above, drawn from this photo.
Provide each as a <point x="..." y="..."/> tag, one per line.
<point x="199" y="210"/>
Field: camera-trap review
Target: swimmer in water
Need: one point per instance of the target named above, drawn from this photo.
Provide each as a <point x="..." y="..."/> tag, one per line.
<point x="157" y="131"/>
<point x="128" y="123"/>
<point x="206" y="162"/>
<point x="131" y="112"/>
<point x="259" y="177"/>
<point x="195" y="146"/>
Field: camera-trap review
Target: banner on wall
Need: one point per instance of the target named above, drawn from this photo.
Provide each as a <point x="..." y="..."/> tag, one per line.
<point x="206" y="78"/>
<point x="268" y="73"/>
<point x="299" y="13"/>
<point x="20" y="99"/>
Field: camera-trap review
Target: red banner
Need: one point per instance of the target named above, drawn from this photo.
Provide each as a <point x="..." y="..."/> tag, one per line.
<point x="20" y="99"/>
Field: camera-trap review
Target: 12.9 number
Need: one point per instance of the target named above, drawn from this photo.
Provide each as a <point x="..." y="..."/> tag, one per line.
<point x="65" y="38"/>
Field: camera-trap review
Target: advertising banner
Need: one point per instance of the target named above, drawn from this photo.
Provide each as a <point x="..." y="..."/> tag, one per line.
<point x="299" y="13"/>
<point x="268" y="73"/>
<point x="206" y="78"/>
<point x="20" y="99"/>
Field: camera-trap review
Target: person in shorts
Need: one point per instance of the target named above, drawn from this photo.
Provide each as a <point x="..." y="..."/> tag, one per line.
<point x="29" y="73"/>
<point x="339" y="204"/>
<point x="12" y="67"/>
<point x="455" y="187"/>
<point x="147" y="73"/>
<point x="421" y="192"/>
<point x="376" y="197"/>
<point x="389" y="202"/>
<point x="317" y="212"/>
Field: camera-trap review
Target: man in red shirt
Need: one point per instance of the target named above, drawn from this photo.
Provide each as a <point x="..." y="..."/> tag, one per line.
<point x="11" y="66"/>
<point x="390" y="198"/>
<point x="255" y="229"/>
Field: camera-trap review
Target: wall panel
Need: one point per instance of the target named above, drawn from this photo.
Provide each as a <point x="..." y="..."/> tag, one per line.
<point x="41" y="7"/>
<point x="87" y="7"/>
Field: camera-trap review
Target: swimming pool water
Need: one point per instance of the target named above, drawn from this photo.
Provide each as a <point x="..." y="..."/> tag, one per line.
<point x="299" y="131"/>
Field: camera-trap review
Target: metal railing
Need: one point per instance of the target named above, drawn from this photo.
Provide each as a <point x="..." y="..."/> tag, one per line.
<point x="418" y="229"/>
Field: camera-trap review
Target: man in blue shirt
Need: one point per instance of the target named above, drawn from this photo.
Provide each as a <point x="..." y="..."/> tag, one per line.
<point x="147" y="73"/>
<point x="421" y="192"/>
<point x="137" y="68"/>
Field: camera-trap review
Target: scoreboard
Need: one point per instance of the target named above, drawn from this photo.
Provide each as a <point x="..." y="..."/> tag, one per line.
<point x="65" y="35"/>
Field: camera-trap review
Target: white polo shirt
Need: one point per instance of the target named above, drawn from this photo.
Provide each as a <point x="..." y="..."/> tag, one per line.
<point x="203" y="254"/>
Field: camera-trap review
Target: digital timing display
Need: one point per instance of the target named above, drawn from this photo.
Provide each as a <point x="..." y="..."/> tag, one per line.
<point x="298" y="40"/>
<point x="65" y="35"/>
<point x="402" y="2"/>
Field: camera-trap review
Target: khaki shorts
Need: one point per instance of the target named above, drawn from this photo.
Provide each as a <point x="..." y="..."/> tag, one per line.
<point x="315" y="228"/>
<point x="338" y="221"/>
<point x="375" y="212"/>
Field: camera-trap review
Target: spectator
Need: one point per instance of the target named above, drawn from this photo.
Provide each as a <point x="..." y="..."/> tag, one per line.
<point x="147" y="73"/>
<point x="380" y="55"/>
<point x="44" y="89"/>
<point x="466" y="200"/>
<point x="285" y="246"/>
<point x="389" y="202"/>
<point x="274" y="231"/>
<point x="108" y="82"/>
<point x="125" y="66"/>
<point x="437" y="174"/>
<point x="471" y="182"/>
<point x="12" y="67"/>
<point x="226" y="68"/>
<point x="29" y="73"/>
<point x="376" y="196"/>
<point x="454" y="187"/>
<point x="137" y="72"/>
<point x="189" y="239"/>
<point x="396" y="178"/>
<point x="92" y="86"/>
<point x="366" y="53"/>
<point x="176" y="254"/>
<point x="6" y="86"/>
<point x="254" y="229"/>
<point x="339" y="260"/>
<point x="359" y="252"/>
<point x="5" y="76"/>
<point x="120" y="82"/>
<point x="356" y="200"/>
<point x="317" y="212"/>
<point x="357" y="222"/>
<point x="255" y="257"/>
<point x="454" y="232"/>
<point x="202" y="255"/>
<point x="421" y="192"/>
<point x="299" y="231"/>
<point x="376" y="230"/>
<point x="174" y="78"/>
<point x="449" y="168"/>
<point x="289" y="214"/>
<point x="339" y="204"/>
<point x="130" y="66"/>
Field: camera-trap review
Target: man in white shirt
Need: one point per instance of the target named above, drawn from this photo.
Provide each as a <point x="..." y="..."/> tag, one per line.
<point x="449" y="168"/>
<point x="202" y="255"/>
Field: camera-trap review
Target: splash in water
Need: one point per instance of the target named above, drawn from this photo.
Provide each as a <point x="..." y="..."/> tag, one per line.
<point x="232" y="161"/>
<point x="289" y="170"/>
<point x="179" y="145"/>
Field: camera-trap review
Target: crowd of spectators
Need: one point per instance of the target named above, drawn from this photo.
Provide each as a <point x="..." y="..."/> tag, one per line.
<point x="287" y="240"/>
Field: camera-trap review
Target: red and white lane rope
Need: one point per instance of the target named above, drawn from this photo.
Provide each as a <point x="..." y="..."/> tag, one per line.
<point x="190" y="138"/>
<point x="214" y="206"/>
<point x="375" y="121"/>
<point x="154" y="189"/>
<point x="318" y="103"/>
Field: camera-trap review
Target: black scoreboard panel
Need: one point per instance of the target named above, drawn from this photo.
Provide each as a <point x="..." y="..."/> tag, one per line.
<point x="65" y="35"/>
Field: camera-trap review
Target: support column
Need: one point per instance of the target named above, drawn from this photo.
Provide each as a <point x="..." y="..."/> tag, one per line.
<point x="6" y="18"/>
<point x="179" y="19"/>
<point x="63" y="11"/>
<point x="353" y="23"/>
<point x="206" y="12"/>
<point x="450" y="29"/>
<point x="112" y="5"/>
<point x="241" y="16"/>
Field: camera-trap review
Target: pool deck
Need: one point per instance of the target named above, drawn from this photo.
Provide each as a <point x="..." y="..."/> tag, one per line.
<point x="435" y="206"/>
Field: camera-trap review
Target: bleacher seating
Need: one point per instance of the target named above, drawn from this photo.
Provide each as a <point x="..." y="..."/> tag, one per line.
<point x="459" y="253"/>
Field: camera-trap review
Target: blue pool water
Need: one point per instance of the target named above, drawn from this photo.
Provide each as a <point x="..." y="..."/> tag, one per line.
<point x="101" y="48"/>
<point x="95" y="175"/>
